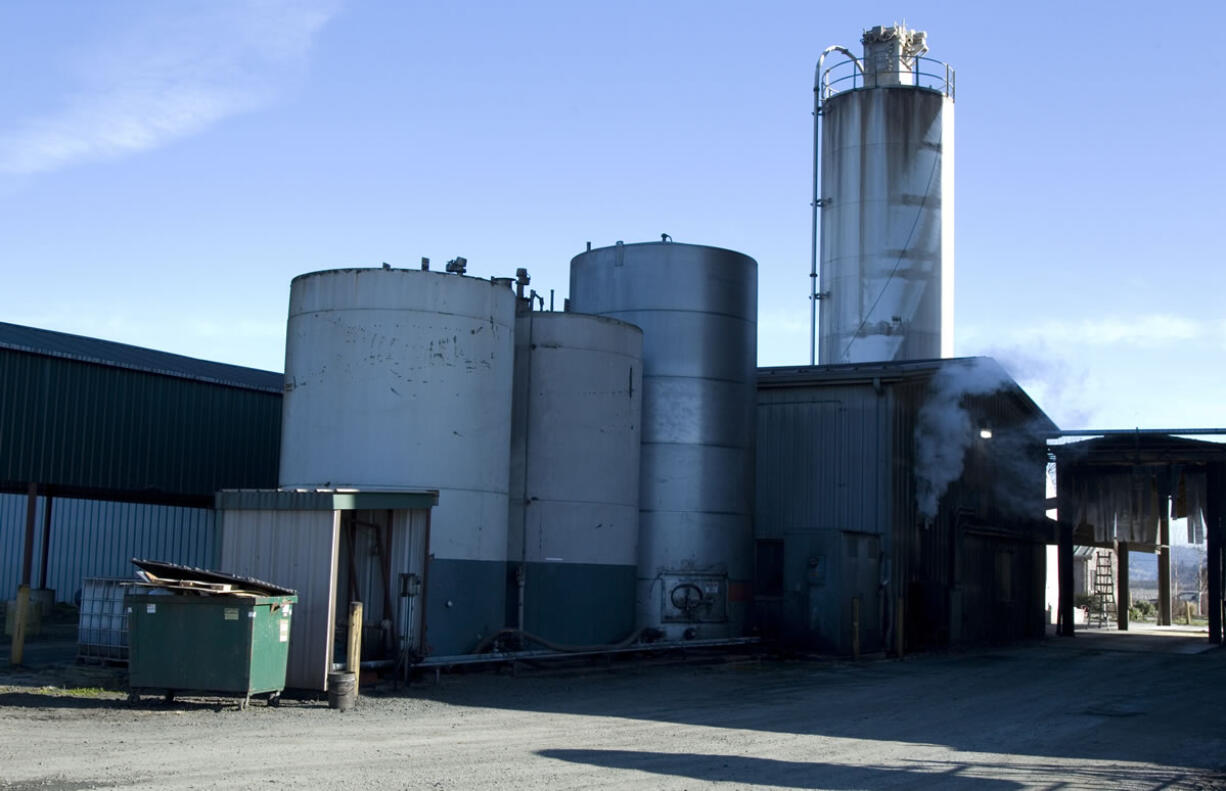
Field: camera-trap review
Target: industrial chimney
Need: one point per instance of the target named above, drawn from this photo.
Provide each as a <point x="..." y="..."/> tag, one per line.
<point x="883" y="189"/>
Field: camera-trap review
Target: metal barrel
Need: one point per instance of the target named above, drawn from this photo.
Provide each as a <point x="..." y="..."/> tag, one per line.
<point x="697" y="307"/>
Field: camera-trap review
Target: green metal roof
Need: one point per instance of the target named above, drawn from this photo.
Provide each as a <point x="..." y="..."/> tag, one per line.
<point x="81" y="425"/>
<point x="122" y="355"/>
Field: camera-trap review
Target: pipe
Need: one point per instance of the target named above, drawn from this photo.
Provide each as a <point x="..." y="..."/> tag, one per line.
<point x="425" y="586"/>
<point x="1106" y="432"/>
<point x="816" y="202"/>
<point x="560" y="648"/>
<point x="504" y="656"/>
<point x="521" y="574"/>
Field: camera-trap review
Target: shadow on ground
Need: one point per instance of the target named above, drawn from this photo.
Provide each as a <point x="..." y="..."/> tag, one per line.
<point x="765" y="771"/>
<point x="1042" y="700"/>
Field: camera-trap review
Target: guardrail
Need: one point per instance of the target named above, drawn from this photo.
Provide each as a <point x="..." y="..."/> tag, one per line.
<point x="927" y="73"/>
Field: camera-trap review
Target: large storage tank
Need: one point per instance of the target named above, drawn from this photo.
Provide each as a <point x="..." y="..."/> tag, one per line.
<point x="886" y="202"/>
<point x="574" y="514"/>
<point x="401" y="379"/>
<point x="697" y="307"/>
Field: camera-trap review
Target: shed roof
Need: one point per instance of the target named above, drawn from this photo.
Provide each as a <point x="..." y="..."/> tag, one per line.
<point x="121" y="355"/>
<point x="323" y="499"/>
<point x="1118" y="450"/>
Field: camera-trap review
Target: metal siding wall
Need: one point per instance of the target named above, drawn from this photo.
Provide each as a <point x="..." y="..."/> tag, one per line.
<point x="819" y="460"/>
<point x="97" y="538"/>
<point x="823" y="473"/>
<point x="924" y="553"/>
<point x="69" y="423"/>
<point x="297" y="549"/>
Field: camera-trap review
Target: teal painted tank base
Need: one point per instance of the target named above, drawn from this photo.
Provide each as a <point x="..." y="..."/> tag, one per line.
<point x="465" y="604"/>
<point x="578" y="604"/>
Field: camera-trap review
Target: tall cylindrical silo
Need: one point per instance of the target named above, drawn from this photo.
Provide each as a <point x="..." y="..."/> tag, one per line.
<point x="401" y="379"/>
<point x="697" y="307"/>
<point x="574" y="513"/>
<point x="885" y="201"/>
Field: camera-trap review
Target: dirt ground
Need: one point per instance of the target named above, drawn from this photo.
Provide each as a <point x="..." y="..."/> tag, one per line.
<point x="1130" y="711"/>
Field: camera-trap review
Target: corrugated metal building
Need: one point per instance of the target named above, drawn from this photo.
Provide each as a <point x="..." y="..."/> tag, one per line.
<point x="126" y="447"/>
<point x="891" y="492"/>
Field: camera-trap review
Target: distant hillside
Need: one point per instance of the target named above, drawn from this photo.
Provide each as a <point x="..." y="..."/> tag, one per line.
<point x="1186" y="562"/>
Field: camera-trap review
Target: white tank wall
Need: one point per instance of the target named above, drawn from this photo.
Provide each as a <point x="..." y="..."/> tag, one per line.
<point x="887" y="246"/>
<point x="401" y="379"/>
<point x="575" y="443"/>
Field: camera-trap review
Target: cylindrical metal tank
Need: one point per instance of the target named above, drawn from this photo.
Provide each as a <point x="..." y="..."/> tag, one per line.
<point x="574" y="512"/>
<point x="697" y="307"/>
<point x="401" y="379"/>
<point x="887" y="205"/>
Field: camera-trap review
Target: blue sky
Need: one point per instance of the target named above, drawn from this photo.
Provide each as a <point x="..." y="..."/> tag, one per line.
<point x="167" y="168"/>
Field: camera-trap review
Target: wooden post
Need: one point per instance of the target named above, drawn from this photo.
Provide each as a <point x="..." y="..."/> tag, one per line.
<point x="1164" y="564"/>
<point x="1124" y="600"/>
<point x="1064" y="564"/>
<point x="899" y="629"/>
<point x="353" y="657"/>
<point x="42" y="569"/>
<point x="18" y="644"/>
<point x="855" y="627"/>
<point x="1215" y="529"/>
<point x="27" y="558"/>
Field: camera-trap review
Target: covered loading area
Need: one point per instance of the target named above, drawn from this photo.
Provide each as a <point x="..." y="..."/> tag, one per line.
<point x="1120" y="491"/>
<point x="110" y="451"/>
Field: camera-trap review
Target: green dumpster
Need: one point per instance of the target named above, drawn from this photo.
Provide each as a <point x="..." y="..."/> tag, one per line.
<point x="232" y="644"/>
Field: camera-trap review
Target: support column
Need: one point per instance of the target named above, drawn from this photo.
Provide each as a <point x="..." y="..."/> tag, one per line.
<point x="1121" y="574"/>
<point x="42" y="575"/>
<point x="1164" y="564"/>
<point x="27" y="556"/>
<point x="1215" y="536"/>
<point x="1064" y="563"/>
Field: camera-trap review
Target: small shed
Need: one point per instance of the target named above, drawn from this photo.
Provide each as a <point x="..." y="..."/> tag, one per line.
<point x="899" y="506"/>
<point x="336" y="547"/>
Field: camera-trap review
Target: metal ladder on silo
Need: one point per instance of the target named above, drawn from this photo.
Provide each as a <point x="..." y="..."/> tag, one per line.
<point x="1104" y="589"/>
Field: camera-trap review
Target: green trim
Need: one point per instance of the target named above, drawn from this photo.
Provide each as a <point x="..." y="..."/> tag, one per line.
<point x="288" y="500"/>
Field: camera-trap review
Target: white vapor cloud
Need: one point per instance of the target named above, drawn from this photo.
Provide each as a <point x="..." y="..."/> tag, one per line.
<point x="1146" y="331"/>
<point x="167" y="77"/>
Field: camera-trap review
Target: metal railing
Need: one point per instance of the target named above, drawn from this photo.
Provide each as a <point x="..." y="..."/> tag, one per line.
<point x="924" y="73"/>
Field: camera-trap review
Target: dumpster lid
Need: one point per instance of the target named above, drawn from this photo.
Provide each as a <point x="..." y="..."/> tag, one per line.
<point x="162" y="571"/>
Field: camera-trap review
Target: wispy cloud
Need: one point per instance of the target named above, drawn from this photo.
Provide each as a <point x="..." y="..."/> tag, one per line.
<point x="1148" y="331"/>
<point x="167" y="77"/>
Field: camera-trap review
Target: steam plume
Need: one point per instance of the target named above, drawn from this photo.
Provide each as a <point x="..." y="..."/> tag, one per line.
<point x="944" y="429"/>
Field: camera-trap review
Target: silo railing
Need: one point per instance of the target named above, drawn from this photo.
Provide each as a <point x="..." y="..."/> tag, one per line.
<point x="849" y="75"/>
